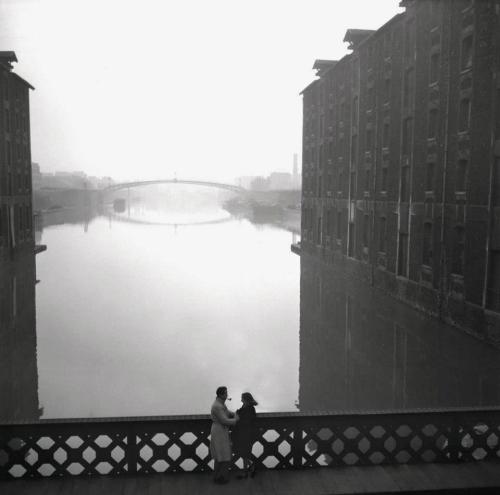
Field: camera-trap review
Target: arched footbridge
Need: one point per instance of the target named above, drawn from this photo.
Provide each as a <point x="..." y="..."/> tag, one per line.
<point x="217" y="185"/>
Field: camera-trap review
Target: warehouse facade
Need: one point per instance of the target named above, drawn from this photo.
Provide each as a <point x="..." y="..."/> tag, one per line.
<point x="401" y="160"/>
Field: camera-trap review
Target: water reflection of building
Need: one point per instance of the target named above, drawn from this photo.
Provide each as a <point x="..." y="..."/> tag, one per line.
<point x="18" y="361"/>
<point x="363" y="350"/>
<point x="18" y="356"/>
<point x="79" y="216"/>
<point x="401" y="160"/>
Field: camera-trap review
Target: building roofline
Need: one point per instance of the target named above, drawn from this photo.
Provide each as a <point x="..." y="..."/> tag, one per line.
<point x="348" y="55"/>
<point x="310" y="85"/>
<point x="23" y="80"/>
<point x="383" y="27"/>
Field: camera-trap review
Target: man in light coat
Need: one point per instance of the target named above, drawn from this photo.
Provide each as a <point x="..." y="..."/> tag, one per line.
<point x="220" y="441"/>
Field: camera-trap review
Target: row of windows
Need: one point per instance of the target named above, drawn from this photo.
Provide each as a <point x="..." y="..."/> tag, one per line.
<point x="313" y="184"/>
<point x="464" y="117"/>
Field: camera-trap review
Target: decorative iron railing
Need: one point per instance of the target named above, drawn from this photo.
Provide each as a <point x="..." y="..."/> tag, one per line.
<point x="53" y="448"/>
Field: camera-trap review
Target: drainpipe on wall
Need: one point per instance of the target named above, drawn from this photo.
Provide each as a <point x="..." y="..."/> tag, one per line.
<point x="443" y="254"/>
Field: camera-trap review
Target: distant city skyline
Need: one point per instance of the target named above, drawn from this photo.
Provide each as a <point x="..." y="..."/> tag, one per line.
<point x="196" y="89"/>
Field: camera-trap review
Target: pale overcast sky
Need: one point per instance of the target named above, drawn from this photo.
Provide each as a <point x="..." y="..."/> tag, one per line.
<point x="152" y="88"/>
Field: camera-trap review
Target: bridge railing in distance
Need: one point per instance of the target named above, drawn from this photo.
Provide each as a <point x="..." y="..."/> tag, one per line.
<point x="171" y="444"/>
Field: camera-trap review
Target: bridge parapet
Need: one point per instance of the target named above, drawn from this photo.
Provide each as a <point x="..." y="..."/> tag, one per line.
<point x="118" y="446"/>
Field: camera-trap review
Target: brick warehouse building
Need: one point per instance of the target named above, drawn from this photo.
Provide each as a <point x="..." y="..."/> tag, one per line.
<point x="18" y="363"/>
<point x="401" y="160"/>
<point x="16" y="230"/>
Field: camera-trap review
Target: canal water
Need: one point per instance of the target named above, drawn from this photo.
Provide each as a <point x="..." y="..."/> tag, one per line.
<point x="146" y="312"/>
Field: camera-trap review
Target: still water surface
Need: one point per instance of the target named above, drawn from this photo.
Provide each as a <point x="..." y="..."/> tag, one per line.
<point x="149" y="314"/>
<point x="145" y="318"/>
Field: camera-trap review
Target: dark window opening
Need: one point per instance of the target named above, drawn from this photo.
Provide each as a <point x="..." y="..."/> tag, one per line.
<point x="407" y="135"/>
<point x="385" y="135"/>
<point x="385" y="174"/>
<point x="464" y="115"/>
<point x="382" y="234"/>
<point x="368" y="178"/>
<point x="342" y="112"/>
<point x="434" y="68"/>
<point x="408" y="88"/>
<point x="433" y="123"/>
<point x="340" y="181"/>
<point x="466" y="54"/>
<point x="387" y="90"/>
<point x="352" y="231"/>
<point x="427" y="247"/>
<point x="403" y="255"/>
<point x="429" y="177"/>
<point x="458" y="251"/>
<point x="371" y="97"/>
<point x="462" y="166"/>
<point x="369" y="139"/>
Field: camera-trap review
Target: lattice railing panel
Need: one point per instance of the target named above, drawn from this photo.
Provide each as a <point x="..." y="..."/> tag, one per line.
<point x="283" y="441"/>
<point x="173" y="451"/>
<point x="52" y="455"/>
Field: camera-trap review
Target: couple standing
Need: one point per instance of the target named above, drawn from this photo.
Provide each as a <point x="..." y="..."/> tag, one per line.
<point x="243" y="434"/>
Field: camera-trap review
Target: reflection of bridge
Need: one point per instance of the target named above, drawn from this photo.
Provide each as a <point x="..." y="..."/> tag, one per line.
<point x="218" y="185"/>
<point x="138" y="221"/>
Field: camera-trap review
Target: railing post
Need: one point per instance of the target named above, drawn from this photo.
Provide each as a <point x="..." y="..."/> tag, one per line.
<point x="454" y="440"/>
<point x="132" y="454"/>
<point x="297" y="448"/>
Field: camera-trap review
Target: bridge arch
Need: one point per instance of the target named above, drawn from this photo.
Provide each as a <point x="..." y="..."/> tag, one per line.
<point x="139" y="221"/>
<point x="218" y="185"/>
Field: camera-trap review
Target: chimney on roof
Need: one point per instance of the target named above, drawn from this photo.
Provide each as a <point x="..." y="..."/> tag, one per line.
<point x="321" y="66"/>
<point x="7" y="59"/>
<point x="355" y="36"/>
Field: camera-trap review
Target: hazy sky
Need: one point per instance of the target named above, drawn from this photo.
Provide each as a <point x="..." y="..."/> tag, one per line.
<point x="152" y="88"/>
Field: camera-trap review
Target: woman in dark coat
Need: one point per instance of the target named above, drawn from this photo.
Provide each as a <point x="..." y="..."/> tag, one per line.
<point x="243" y="434"/>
